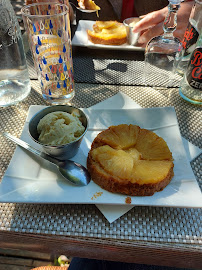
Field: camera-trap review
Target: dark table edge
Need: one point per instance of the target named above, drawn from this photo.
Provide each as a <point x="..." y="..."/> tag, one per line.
<point x="106" y="249"/>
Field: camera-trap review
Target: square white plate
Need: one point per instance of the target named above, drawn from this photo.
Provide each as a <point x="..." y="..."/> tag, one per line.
<point x="81" y="39"/>
<point x="30" y="179"/>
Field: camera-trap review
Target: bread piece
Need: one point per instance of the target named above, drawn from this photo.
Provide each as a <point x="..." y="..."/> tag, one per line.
<point x="118" y="161"/>
<point x="108" y="33"/>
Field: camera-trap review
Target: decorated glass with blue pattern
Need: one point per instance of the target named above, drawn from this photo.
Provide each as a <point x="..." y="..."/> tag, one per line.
<point x="48" y="29"/>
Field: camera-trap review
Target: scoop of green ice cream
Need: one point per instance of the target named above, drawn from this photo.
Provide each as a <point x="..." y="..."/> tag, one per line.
<point x="59" y="128"/>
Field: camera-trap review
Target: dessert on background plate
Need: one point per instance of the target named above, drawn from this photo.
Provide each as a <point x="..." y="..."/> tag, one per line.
<point x="129" y="160"/>
<point x="107" y="33"/>
<point x="81" y="39"/>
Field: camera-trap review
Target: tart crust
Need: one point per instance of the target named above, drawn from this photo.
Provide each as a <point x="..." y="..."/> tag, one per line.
<point x="113" y="183"/>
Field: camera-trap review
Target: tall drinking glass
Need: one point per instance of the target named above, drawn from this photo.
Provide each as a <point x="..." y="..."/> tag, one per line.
<point x="14" y="77"/>
<point x="48" y="29"/>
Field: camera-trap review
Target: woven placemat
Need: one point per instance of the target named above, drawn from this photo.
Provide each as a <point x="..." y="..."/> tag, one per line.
<point x="112" y="70"/>
<point x="181" y="226"/>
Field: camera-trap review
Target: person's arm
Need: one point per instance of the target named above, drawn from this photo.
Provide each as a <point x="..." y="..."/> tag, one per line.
<point x="152" y="24"/>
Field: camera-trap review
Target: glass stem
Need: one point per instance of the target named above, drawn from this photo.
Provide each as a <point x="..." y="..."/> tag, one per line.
<point x="170" y="22"/>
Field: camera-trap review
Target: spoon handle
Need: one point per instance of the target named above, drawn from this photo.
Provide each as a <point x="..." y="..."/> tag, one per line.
<point x="30" y="148"/>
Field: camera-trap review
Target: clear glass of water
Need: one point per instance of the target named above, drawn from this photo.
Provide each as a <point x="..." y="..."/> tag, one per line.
<point x="14" y="77"/>
<point x="161" y="51"/>
<point x="48" y="29"/>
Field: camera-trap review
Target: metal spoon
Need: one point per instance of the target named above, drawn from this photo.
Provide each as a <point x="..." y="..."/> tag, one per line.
<point x="72" y="171"/>
<point x="84" y="10"/>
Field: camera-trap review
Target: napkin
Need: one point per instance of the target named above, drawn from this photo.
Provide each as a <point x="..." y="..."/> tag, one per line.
<point x="122" y="101"/>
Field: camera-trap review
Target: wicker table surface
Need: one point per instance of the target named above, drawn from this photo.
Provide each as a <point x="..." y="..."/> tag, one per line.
<point x="157" y="235"/>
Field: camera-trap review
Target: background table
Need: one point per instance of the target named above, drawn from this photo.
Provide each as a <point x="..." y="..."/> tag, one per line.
<point x="151" y="235"/>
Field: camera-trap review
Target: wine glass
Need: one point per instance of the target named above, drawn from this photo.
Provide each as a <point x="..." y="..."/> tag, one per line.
<point x="161" y="51"/>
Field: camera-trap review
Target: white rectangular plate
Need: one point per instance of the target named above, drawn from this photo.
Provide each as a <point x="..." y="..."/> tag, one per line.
<point x="81" y="39"/>
<point x="30" y="179"/>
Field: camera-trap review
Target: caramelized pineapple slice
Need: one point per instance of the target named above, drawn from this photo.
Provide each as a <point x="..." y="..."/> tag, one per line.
<point x="121" y="136"/>
<point x="133" y="153"/>
<point x="152" y="147"/>
<point x="116" y="162"/>
<point x="110" y="138"/>
<point x="150" y="171"/>
<point x="100" y="25"/>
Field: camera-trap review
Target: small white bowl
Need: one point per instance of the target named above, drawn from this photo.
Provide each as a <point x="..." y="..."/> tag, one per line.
<point x="131" y="37"/>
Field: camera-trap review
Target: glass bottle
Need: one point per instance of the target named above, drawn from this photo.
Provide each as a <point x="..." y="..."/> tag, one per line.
<point x="190" y="38"/>
<point x="161" y="51"/>
<point x="191" y="84"/>
<point x="14" y="77"/>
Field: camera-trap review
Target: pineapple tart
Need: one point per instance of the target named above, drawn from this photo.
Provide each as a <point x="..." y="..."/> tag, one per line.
<point x="129" y="160"/>
<point x="108" y="33"/>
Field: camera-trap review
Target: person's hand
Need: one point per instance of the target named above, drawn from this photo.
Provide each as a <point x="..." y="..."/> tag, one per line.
<point x="152" y="24"/>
